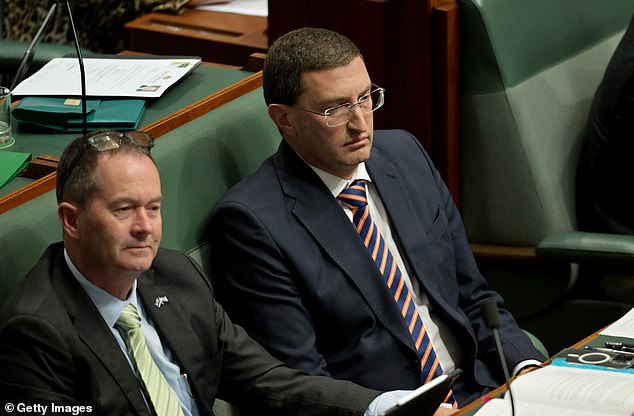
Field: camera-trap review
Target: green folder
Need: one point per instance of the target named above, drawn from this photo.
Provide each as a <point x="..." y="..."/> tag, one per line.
<point x="65" y="114"/>
<point x="12" y="163"/>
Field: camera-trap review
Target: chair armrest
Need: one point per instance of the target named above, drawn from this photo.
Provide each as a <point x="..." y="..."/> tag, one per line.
<point x="585" y="247"/>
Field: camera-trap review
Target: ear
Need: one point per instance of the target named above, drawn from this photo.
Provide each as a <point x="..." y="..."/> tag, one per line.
<point x="282" y="117"/>
<point x="69" y="217"/>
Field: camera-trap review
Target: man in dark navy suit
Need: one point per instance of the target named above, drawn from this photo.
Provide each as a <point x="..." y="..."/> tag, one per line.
<point x="291" y="262"/>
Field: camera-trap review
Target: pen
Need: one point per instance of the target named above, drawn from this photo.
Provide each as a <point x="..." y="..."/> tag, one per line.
<point x="620" y="346"/>
<point x="609" y="350"/>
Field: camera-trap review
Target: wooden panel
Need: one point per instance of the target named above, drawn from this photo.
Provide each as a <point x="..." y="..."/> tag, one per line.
<point x="445" y="93"/>
<point x="226" y="38"/>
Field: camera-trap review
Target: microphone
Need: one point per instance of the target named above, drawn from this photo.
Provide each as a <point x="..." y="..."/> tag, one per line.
<point x="27" y="58"/>
<point x="493" y="321"/>
<point x="82" y="72"/>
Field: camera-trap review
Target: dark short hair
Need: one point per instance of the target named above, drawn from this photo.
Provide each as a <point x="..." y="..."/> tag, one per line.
<point x="299" y="51"/>
<point x="77" y="165"/>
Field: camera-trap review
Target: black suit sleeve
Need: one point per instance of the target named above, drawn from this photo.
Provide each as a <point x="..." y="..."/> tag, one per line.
<point x="34" y="363"/>
<point x="252" y="378"/>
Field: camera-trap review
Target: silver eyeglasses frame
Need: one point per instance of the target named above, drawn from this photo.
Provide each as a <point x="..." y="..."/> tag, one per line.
<point x="344" y="117"/>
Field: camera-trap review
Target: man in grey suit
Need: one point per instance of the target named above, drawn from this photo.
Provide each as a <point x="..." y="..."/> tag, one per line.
<point x="290" y="266"/>
<point x="70" y="334"/>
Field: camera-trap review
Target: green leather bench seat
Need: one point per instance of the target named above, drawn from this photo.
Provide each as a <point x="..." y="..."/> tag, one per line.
<point x="529" y="70"/>
<point x="198" y="162"/>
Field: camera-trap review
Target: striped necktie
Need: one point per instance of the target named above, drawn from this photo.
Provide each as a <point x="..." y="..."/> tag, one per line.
<point x="355" y="198"/>
<point x="161" y="394"/>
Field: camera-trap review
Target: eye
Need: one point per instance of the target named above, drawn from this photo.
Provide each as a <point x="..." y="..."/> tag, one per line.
<point x="338" y="110"/>
<point x="364" y="98"/>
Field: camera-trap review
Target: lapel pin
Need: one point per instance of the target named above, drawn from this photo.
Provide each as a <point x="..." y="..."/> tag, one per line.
<point x="160" y="300"/>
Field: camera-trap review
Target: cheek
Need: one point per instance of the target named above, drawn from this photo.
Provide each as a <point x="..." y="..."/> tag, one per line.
<point x="158" y="229"/>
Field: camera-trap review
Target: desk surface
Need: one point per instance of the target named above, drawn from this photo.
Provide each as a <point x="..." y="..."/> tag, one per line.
<point x="183" y="101"/>
<point x="594" y="340"/>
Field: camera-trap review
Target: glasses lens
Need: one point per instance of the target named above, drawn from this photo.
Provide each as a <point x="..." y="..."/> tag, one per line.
<point x="368" y="103"/>
<point x="111" y="140"/>
<point x="376" y="99"/>
<point x="337" y="115"/>
<point x="140" y="138"/>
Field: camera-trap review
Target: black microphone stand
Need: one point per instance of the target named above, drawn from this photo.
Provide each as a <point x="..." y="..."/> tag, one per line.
<point x="492" y="319"/>
<point x="82" y="72"/>
<point x="30" y="51"/>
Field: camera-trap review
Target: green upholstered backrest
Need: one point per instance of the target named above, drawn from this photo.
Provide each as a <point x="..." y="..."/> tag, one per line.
<point x="198" y="162"/>
<point x="24" y="234"/>
<point x="529" y="70"/>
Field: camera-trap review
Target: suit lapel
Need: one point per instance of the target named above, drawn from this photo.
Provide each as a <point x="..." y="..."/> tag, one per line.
<point x="96" y="335"/>
<point x="168" y="312"/>
<point x="405" y="222"/>
<point x="320" y="213"/>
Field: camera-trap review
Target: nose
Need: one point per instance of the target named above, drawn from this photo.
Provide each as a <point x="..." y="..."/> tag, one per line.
<point x="358" y="120"/>
<point x="143" y="223"/>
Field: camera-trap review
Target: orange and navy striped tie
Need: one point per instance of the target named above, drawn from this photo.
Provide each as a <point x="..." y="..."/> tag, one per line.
<point x="355" y="198"/>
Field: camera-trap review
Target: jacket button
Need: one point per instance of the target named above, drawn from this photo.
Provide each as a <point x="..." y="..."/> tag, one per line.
<point x="414" y="366"/>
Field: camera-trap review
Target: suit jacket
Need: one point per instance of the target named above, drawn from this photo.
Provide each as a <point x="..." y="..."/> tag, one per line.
<point x="289" y="266"/>
<point x="605" y="165"/>
<point x="55" y="347"/>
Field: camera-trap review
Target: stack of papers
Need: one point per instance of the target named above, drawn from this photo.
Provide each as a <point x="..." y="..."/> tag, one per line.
<point x="108" y="77"/>
<point x="563" y="391"/>
<point x="118" y="88"/>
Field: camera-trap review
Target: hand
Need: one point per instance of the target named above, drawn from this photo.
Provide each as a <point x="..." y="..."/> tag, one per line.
<point x="528" y="369"/>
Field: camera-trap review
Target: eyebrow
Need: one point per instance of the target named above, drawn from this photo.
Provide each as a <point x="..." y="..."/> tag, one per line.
<point x="134" y="201"/>
<point x="334" y="102"/>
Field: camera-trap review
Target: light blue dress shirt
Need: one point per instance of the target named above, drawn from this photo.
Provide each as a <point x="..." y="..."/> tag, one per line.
<point x="110" y="309"/>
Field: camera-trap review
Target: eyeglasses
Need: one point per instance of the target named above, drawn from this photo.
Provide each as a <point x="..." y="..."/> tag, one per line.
<point x="104" y="141"/>
<point x="340" y="114"/>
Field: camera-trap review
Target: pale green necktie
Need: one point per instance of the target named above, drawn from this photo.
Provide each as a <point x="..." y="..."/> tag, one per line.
<point x="162" y="396"/>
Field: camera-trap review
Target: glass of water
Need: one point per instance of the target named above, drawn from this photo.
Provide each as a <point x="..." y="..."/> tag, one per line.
<point x="6" y="139"/>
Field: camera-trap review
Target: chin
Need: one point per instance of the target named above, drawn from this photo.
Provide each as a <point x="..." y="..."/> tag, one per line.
<point x="137" y="264"/>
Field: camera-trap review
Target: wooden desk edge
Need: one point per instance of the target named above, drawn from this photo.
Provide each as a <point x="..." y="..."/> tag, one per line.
<point x="156" y="129"/>
<point x="197" y="109"/>
<point x="498" y="391"/>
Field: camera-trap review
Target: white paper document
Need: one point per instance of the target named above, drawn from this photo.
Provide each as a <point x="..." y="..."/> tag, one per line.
<point x="249" y="7"/>
<point x="108" y="77"/>
<point x="562" y="391"/>
<point x="624" y="327"/>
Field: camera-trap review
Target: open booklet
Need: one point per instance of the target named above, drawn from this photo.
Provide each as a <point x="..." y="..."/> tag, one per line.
<point x="560" y="390"/>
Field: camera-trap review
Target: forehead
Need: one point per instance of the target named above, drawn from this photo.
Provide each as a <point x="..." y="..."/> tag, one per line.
<point x="342" y="82"/>
<point x="124" y="169"/>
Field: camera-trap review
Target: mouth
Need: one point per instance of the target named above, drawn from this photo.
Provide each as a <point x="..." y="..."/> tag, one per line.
<point x="357" y="140"/>
<point x="140" y="248"/>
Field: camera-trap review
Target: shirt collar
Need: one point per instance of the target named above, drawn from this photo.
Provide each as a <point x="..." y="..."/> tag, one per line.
<point x="109" y="306"/>
<point x="336" y="184"/>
